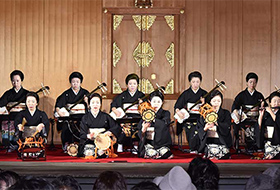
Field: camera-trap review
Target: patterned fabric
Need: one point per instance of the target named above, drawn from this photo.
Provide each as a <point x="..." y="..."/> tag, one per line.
<point x="5" y="130"/>
<point x="215" y="151"/>
<point x="89" y="150"/>
<point x="270" y="151"/>
<point x="249" y="132"/>
<point x="151" y="152"/>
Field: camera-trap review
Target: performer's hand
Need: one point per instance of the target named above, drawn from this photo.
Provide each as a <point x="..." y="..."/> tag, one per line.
<point x="180" y="114"/>
<point x="91" y="136"/>
<point x="20" y="127"/>
<point x="40" y="127"/>
<point x="86" y="99"/>
<point x="140" y="100"/>
<point x="145" y="126"/>
<point x="61" y="113"/>
<point x="202" y="100"/>
<point x="208" y="126"/>
<point x="109" y="133"/>
<point x="118" y="113"/>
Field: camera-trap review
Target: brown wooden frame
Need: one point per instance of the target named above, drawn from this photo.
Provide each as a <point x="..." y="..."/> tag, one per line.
<point x="106" y="67"/>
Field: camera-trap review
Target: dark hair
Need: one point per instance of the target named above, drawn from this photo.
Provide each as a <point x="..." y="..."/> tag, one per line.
<point x="32" y="183"/>
<point x="157" y="93"/>
<point x="95" y="95"/>
<point x="195" y="74"/>
<point x="76" y="75"/>
<point x="145" y="185"/>
<point x="130" y="77"/>
<point x="204" y="173"/>
<point x="17" y="72"/>
<point x="213" y="94"/>
<point x="252" y="75"/>
<point x="65" y="182"/>
<point x="34" y="95"/>
<point x="110" y="180"/>
<point x="273" y="94"/>
<point x="8" y="178"/>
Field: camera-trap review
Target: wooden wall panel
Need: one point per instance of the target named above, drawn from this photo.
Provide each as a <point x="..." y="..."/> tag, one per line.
<point x="199" y="40"/>
<point x="224" y="39"/>
<point x="257" y="42"/>
<point x="28" y="45"/>
<point x="7" y="40"/>
<point x="228" y="47"/>
<point x="275" y="47"/>
<point x="156" y="3"/>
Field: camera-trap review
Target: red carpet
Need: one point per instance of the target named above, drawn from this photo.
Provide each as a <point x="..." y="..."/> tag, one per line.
<point x="179" y="157"/>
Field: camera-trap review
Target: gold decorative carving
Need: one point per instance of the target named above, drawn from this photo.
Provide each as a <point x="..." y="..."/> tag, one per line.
<point x="137" y="21"/>
<point x="143" y="54"/>
<point x="116" y="87"/>
<point x="148" y="21"/>
<point x="144" y="22"/>
<point x="144" y="3"/>
<point x="117" y="54"/>
<point x="170" y="87"/>
<point x="117" y="21"/>
<point x="169" y="54"/>
<point x="146" y="86"/>
<point x="170" y="21"/>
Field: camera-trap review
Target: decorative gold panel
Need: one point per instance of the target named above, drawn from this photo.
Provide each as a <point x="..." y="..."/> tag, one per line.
<point x="116" y="87"/>
<point x="145" y="86"/>
<point x="170" y="21"/>
<point x="144" y="3"/>
<point x="117" y="21"/>
<point x="170" y="87"/>
<point x="144" y="22"/>
<point x="117" y="54"/>
<point x="169" y="54"/>
<point x="137" y="21"/>
<point x="143" y="54"/>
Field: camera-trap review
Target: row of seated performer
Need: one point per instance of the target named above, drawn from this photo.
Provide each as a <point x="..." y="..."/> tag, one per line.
<point x="261" y="126"/>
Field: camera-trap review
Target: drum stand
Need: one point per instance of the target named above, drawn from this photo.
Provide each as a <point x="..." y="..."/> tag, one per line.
<point x="52" y="146"/>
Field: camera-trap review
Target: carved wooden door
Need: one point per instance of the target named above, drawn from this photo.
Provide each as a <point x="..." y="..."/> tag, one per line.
<point x="146" y="45"/>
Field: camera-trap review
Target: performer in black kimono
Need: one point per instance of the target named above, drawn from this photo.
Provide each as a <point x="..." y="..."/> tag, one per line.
<point x="15" y="94"/>
<point x="130" y="95"/>
<point x="245" y="100"/>
<point x="93" y="123"/>
<point x="70" y="96"/>
<point x="216" y="137"/>
<point x="155" y="138"/>
<point x="269" y="126"/>
<point x="186" y="100"/>
<point x="33" y="116"/>
<point x="125" y="99"/>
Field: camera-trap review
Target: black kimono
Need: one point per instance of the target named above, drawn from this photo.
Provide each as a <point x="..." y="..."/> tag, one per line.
<point x="223" y="131"/>
<point x="8" y="126"/>
<point x="12" y="96"/>
<point x="189" y="96"/>
<point x="162" y="137"/>
<point x="69" y="97"/>
<point x="102" y="120"/>
<point x="244" y="98"/>
<point x="38" y="117"/>
<point x="264" y="140"/>
<point x="125" y="97"/>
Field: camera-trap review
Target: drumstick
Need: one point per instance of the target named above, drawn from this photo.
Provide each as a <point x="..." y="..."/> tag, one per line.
<point x="23" y="122"/>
